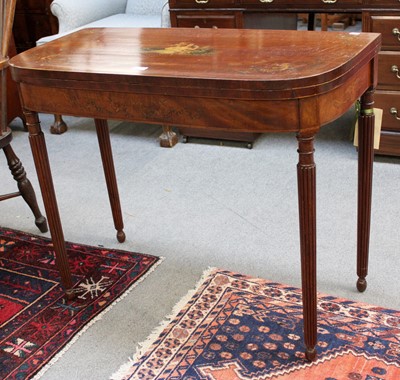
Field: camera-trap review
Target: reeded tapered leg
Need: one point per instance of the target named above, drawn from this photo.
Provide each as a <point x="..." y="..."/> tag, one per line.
<point x="103" y="136"/>
<point x="25" y="186"/>
<point x="307" y="213"/>
<point x="366" y="128"/>
<point x="39" y="152"/>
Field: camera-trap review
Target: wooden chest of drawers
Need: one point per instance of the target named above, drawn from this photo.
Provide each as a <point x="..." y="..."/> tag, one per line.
<point x="382" y="16"/>
<point x="387" y="96"/>
<point x="33" y="20"/>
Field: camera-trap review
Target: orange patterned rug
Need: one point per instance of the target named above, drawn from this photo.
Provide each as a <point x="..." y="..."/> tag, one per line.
<point x="235" y="327"/>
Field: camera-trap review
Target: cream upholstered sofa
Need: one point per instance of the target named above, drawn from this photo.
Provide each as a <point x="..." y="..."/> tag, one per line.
<point x="79" y="14"/>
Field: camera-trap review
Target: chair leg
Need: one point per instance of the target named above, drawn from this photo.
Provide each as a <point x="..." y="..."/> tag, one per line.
<point x="59" y="126"/>
<point x="25" y="187"/>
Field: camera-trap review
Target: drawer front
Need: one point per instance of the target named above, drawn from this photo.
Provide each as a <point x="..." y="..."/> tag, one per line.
<point x="377" y="3"/>
<point x="202" y="3"/>
<point x="332" y="4"/>
<point x="305" y="3"/>
<point x="194" y="20"/>
<point x="389" y="26"/>
<point x="389" y="101"/>
<point x="389" y="70"/>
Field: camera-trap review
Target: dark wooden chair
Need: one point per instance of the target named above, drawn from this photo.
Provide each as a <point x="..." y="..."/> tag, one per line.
<point x="10" y="108"/>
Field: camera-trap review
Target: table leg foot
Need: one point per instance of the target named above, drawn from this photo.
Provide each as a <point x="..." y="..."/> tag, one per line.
<point x="311" y="354"/>
<point x="59" y="126"/>
<point x="168" y="138"/>
<point x="70" y="294"/>
<point x="361" y="284"/>
<point x="121" y="236"/>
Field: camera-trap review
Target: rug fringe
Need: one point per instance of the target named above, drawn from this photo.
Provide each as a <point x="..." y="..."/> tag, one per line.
<point x="145" y="345"/>
<point x="94" y="320"/>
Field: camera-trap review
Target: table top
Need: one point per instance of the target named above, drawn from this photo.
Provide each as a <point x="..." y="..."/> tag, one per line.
<point x="207" y="61"/>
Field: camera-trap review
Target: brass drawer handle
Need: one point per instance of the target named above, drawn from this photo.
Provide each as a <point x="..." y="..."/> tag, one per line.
<point x="395" y="70"/>
<point x="201" y="1"/>
<point x="393" y="111"/>
<point x="266" y="1"/>
<point x="396" y="32"/>
<point x="214" y="27"/>
<point x="329" y="1"/>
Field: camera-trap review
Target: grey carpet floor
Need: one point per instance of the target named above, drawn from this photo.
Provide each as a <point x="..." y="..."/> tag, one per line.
<point x="202" y="205"/>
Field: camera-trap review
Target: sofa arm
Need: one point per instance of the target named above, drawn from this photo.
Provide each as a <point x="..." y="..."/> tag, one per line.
<point x="72" y="14"/>
<point x="165" y="16"/>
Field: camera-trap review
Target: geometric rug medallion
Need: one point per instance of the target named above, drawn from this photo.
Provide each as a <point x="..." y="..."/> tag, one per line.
<point x="36" y="321"/>
<point x="234" y="327"/>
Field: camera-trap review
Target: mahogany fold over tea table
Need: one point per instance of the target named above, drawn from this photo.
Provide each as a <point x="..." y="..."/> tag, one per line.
<point x="233" y="80"/>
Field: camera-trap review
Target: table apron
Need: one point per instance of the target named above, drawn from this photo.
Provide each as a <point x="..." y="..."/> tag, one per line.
<point x="281" y="115"/>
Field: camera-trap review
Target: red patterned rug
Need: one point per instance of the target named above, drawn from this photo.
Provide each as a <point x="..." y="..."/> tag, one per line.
<point x="236" y="327"/>
<point x="36" y="322"/>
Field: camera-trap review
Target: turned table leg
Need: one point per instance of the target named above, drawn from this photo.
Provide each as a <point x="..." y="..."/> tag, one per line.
<point x="307" y="217"/>
<point x="40" y="156"/>
<point x="366" y="127"/>
<point x="103" y="136"/>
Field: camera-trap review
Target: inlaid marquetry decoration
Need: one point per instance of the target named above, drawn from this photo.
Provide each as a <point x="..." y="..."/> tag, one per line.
<point x="182" y="48"/>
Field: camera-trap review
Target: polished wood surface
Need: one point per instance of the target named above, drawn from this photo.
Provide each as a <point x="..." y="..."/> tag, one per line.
<point x="33" y="20"/>
<point x="243" y="80"/>
<point x="330" y="6"/>
<point x="249" y="64"/>
<point x="387" y="96"/>
<point x="241" y="65"/>
<point x="10" y="108"/>
<point x="14" y="108"/>
<point x="377" y="16"/>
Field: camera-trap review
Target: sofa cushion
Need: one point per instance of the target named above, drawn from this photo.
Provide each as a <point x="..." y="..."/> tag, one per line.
<point x="144" y="7"/>
<point x="122" y="20"/>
